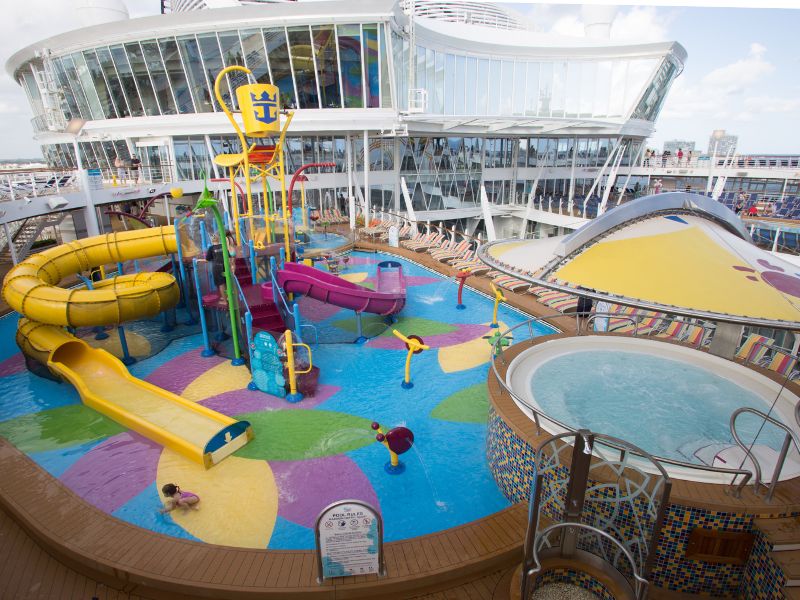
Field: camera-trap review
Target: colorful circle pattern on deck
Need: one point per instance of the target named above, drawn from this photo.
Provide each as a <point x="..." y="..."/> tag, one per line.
<point x="306" y="455"/>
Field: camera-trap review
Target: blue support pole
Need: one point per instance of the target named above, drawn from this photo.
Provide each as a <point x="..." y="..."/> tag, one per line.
<point x="360" y="339"/>
<point x="296" y="318"/>
<point x="248" y="326"/>
<point x="136" y="266"/>
<point x="253" y="271"/>
<point x="167" y="326"/>
<point x="120" y="269"/>
<point x="204" y="241"/>
<point x="99" y="332"/>
<point x="283" y="256"/>
<point x="207" y="351"/>
<point x="127" y="359"/>
<point x="184" y="280"/>
<point x="273" y="269"/>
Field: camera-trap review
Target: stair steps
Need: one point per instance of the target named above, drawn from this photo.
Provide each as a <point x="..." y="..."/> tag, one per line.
<point x="783" y="535"/>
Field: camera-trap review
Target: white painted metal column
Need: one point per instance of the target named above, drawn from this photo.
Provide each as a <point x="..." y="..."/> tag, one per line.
<point x="351" y="201"/>
<point x="408" y="200"/>
<point x="90" y="213"/>
<point x="367" y="195"/>
<point x="612" y="177"/>
<point x="571" y="197"/>
<point x="11" y="248"/>
<point x="486" y="209"/>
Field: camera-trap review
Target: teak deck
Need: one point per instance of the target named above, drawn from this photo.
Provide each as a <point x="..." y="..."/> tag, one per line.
<point x="127" y="558"/>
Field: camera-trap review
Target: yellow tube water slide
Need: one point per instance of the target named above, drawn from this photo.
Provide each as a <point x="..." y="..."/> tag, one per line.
<point x="31" y="288"/>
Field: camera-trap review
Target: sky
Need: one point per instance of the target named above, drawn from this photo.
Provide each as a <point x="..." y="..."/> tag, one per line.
<point x="740" y="75"/>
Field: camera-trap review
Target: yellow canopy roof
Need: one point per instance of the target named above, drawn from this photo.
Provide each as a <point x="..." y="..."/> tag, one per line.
<point x="692" y="263"/>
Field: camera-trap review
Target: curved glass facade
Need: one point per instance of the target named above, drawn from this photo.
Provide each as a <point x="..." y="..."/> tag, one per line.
<point x="318" y="66"/>
<point x="485" y="86"/>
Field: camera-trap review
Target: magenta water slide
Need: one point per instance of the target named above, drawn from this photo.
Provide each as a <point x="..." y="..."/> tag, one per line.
<point x="388" y="299"/>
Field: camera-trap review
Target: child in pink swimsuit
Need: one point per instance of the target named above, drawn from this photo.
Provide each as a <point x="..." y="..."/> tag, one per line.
<point x="177" y="498"/>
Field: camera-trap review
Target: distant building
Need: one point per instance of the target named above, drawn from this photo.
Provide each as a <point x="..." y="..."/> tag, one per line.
<point x="725" y="144"/>
<point x="674" y="145"/>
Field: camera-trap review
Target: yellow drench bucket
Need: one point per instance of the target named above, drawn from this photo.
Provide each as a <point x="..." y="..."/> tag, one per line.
<point x="260" y="106"/>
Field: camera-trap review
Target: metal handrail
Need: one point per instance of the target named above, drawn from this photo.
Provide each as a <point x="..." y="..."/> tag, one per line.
<point x="791" y="436"/>
<point x="538" y="414"/>
<point x="641" y="583"/>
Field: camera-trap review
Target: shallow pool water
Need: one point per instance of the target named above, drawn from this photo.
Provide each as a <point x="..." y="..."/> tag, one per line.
<point x="305" y="455"/>
<point x="667" y="407"/>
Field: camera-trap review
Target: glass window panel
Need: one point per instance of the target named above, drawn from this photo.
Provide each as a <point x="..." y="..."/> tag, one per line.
<point x="639" y="73"/>
<point x="493" y="108"/>
<point x="522" y="152"/>
<point x="507" y="86"/>
<point x="183" y="158"/>
<point x="438" y="93"/>
<point x="200" y="87"/>
<point x="617" y="102"/>
<point x="386" y="93"/>
<point x="421" y="73"/>
<point x="158" y="76"/>
<point x="142" y="78"/>
<point x="462" y="86"/>
<point x="430" y="76"/>
<point x="573" y="91"/>
<point x="559" y="89"/>
<point x="450" y="89"/>
<point x="324" y="41"/>
<point x="532" y="89"/>
<point x="232" y="55"/>
<point x="545" y="89"/>
<point x="340" y="154"/>
<point x="587" y="76"/>
<point x="482" y="86"/>
<point x="255" y="58"/>
<point x="103" y="93"/>
<point x="278" y="53"/>
<point x="520" y="74"/>
<point x="350" y="57"/>
<point x="470" y="89"/>
<point x="87" y="85"/>
<point x="212" y="62"/>
<point x="602" y="88"/>
<point x="303" y="63"/>
<point x="174" y="66"/>
<point x="370" y="51"/>
<point x="653" y="97"/>
<point x="77" y="91"/>
<point x="128" y="81"/>
<point x="114" y="83"/>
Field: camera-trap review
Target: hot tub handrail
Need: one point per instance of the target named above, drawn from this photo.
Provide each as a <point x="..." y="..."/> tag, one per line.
<point x="538" y="414"/>
<point x="641" y="584"/>
<point x="791" y="436"/>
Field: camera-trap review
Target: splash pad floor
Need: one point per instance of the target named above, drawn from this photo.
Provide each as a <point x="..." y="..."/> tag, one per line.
<point x="304" y="456"/>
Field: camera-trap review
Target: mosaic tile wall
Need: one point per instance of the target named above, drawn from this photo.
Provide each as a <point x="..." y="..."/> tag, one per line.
<point x="762" y="579"/>
<point x="578" y="578"/>
<point x="511" y="461"/>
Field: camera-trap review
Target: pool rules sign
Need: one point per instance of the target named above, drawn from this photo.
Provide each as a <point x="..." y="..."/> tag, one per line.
<point x="349" y="537"/>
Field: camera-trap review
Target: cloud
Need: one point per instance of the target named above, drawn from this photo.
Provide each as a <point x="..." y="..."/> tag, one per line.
<point x="738" y="76"/>
<point x="730" y="91"/>
<point x="641" y="24"/>
<point x="771" y="104"/>
<point x="635" y="24"/>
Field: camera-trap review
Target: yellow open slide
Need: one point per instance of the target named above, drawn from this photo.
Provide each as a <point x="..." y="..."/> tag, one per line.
<point x="104" y="383"/>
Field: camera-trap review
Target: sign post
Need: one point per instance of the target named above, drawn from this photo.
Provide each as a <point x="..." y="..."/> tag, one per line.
<point x="349" y="540"/>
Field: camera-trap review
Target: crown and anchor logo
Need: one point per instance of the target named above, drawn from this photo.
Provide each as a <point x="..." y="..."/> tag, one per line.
<point x="265" y="107"/>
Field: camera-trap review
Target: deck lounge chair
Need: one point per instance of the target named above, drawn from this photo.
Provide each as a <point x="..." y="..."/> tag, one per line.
<point x="755" y="348"/>
<point x="782" y="363"/>
<point x="510" y="283"/>
<point x="673" y="331"/>
<point x="422" y="246"/>
<point x="454" y="251"/>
